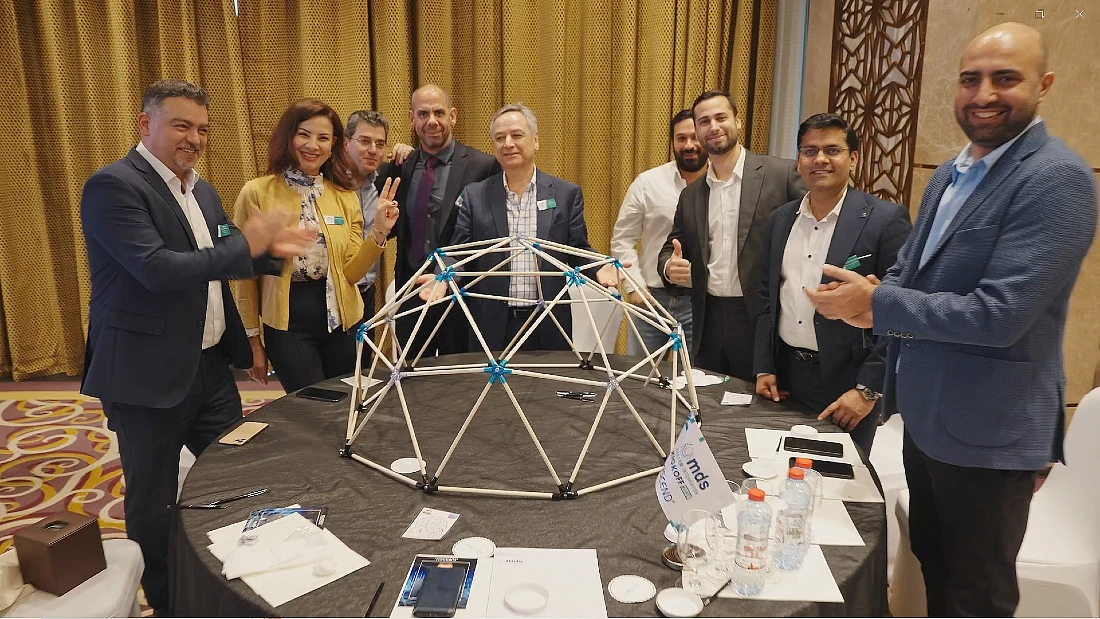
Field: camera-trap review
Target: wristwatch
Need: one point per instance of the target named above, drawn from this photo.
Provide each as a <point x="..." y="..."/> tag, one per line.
<point x="868" y="394"/>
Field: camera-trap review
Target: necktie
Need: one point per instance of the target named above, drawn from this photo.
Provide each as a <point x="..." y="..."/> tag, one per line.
<point x="421" y="210"/>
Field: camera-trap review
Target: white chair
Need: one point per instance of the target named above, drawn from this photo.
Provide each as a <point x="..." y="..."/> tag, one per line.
<point x="886" y="458"/>
<point x="906" y="581"/>
<point x="110" y="593"/>
<point x="1059" y="563"/>
<point x="607" y="314"/>
<point x="187" y="460"/>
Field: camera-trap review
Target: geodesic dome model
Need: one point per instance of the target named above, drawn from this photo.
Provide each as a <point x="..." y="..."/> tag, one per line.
<point x="449" y="265"/>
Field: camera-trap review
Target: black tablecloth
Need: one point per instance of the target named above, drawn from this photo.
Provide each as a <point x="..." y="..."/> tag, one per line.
<point x="298" y="459"/>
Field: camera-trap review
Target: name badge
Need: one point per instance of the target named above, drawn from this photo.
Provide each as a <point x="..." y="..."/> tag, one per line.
<point x="334" y="221"/>
<point x="546" y="204"/>
<point x="223" y="231"/>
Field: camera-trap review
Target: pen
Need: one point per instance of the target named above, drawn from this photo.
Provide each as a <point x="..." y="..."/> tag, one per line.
<point x="374" y="600"/>
<point x="780" y="445"/>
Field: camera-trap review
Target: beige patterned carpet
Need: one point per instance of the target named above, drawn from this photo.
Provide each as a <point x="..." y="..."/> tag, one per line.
<point x="56" y="453"/>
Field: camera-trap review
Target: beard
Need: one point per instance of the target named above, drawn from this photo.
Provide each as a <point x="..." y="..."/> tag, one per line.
<point x="689" y="166"/>
<point x="993" y="135"/>
<point x="720" y="150"/>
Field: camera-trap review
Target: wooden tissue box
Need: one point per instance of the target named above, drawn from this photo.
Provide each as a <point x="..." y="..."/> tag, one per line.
<point x="60" y="551"/>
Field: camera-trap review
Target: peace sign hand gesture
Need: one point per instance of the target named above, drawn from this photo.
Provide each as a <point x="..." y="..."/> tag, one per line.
<point x="386" y="214"/>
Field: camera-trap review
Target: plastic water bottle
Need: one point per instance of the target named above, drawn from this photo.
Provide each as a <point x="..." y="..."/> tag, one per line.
<point x="750" y="559"/>
<point x="791" y="521"/>
<point x="814" y="479"/>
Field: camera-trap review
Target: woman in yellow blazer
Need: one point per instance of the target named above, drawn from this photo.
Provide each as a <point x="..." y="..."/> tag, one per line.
<point x="309" y="310"/>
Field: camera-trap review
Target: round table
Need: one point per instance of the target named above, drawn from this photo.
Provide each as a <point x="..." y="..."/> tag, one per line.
<point x="298" y="457"/>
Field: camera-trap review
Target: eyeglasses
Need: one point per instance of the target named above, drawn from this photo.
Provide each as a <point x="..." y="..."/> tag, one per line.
<point x="366" y="142"/>
<point x="832" y="152"/>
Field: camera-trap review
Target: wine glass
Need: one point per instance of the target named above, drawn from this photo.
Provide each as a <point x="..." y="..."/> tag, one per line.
<point x="694" y="546"/>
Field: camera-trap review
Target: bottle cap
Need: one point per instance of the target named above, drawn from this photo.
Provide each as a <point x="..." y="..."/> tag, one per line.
<point x="756" y="494"/>
<point x="796" y="474"/>
<point x="804" y="463"/>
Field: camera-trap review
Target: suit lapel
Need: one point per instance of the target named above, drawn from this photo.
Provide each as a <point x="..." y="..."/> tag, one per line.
<point x="702" y="218"/>
<point x="455" y="182"/>
<point x="544" y="189"/>
<point x="937" y="185"/>
<point x="779" y="247"/>
<point x="1002" y="170"/>
<point x="849" y="225"/>
<point x="156" y="182"/>
<point x="498" y="204"/>
<point x="751" y="185"/>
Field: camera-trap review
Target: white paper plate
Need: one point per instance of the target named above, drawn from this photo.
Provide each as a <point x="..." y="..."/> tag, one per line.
<point x="631" y="589"/>
<point x="474" y="548"/>
<point x="760" y="469"/>
<point x="405" y="466"/>
<point x="677" y="602"/>
<point x="804" y="431"/>
<point x="526" y="598"/>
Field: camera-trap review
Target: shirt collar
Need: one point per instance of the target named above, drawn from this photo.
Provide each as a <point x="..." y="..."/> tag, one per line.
<point x="677" y="178"/>
<point x="738" y="172"/>
<point x="965" y="161"/>
<point x="804" y="207"/>
<point x="444" y="156"/>
<point x="166" y="174"/>
<point x="534" y="175"/>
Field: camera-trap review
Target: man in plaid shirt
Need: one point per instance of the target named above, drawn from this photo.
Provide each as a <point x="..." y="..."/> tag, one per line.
<point x="523" y="202"/>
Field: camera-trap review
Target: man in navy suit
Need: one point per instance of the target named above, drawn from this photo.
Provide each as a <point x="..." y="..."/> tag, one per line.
<point x="163" y="328"/>
<point x="827" y="366"/>
<point x="974" y="312"/>
<point x="524" y="202"/>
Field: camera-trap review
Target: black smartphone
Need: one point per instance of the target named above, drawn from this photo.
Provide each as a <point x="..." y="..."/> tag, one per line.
<point x="828" y="468"/>
<point x="440" y="590"/>
<point x="324" y="395"/>
<point x="815" y="447"/>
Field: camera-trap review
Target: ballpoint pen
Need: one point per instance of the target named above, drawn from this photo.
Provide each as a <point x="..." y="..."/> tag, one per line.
<point x="374" y="600"/>
<point x="220" y="503"/>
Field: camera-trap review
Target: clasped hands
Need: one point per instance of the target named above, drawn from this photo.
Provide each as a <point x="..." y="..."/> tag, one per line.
<point x="432" y="289"/>
<point x="847" y="298"/>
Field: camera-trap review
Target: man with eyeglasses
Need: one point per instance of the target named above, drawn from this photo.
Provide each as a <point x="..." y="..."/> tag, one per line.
<point x="367" y="132"/>
<point x="829" y="367"/>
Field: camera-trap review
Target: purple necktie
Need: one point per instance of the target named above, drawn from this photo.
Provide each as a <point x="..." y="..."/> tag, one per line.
<point x="421" y="210"/>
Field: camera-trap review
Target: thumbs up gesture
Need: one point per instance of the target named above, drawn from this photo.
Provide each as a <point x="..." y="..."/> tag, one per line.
<point x="678" y="270"/>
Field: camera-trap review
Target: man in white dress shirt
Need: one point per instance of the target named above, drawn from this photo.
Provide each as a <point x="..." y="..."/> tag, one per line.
<point x="832" y="369"/>
<point x="717" y="237"/>
<point x="646" y="216"/>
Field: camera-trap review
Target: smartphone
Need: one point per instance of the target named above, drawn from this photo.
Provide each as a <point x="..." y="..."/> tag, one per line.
<point x="815" y="447"/>
<point x="440" y="590"/>
<point x="242" y="433"/>
<point x="324" y="395"/>
<point x="828" y="468"/>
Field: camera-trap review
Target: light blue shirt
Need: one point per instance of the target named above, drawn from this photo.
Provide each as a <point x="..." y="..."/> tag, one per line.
<point x="966" y="175"/>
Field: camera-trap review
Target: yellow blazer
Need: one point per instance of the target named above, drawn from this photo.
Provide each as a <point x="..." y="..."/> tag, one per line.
<point x="267" y="297"/>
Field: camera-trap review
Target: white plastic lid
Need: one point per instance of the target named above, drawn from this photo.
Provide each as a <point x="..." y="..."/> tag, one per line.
<point x="631" y="589"/>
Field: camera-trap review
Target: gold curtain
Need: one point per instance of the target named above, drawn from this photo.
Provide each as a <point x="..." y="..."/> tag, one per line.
<point x="602" y="76"/>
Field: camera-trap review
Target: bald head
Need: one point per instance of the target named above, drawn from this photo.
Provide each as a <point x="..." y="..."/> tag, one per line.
<point x="1003" y="78"/>
<point x="430" y="90"/>
<point x="1026" y="41"/>
<point x="432" y="117"/>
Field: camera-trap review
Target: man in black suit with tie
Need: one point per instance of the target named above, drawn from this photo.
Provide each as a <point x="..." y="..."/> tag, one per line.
<point x="717" y="237"/>
<point x="162" y="326"/>
<point x="432" y="178"/>
<point x="829" y="367"/>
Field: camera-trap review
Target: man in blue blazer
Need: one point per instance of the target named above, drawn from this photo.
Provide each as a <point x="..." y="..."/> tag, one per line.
<point x="974" y="312"/>
<point x="163" y="328"/>
<point x="519" y="201"/>
<point x="827" y="366"/>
